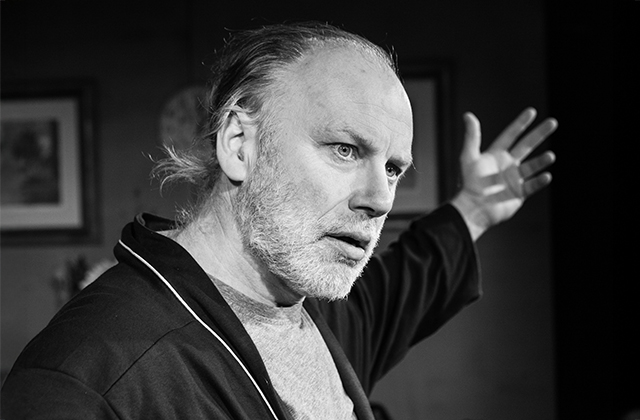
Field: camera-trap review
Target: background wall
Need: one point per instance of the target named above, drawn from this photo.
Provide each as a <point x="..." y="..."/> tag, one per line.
<point x="496" y="359"/>
<point x="595" y="93"/>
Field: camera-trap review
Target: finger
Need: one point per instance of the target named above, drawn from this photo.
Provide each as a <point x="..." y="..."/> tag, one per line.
<point x="535" y="184"/>
<point x="472" y="139"/>
<point x="506" y="139"/>
<point x="532" y="140"/>
<point x="536" y="164"/>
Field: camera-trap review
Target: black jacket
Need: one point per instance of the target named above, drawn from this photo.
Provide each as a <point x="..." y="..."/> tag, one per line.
<point x="154" y="339"/>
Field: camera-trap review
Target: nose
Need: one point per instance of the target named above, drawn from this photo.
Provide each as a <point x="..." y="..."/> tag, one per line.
<point x="373" y="194"/>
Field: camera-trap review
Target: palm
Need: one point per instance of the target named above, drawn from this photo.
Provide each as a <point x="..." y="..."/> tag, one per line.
<point x="497" y="181"/>
<point x="493" y="180"/>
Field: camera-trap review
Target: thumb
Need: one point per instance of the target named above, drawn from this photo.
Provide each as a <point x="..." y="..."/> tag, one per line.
<point x="472" y="139"/>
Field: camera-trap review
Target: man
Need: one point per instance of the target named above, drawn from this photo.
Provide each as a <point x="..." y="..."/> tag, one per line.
<point x="249" y="308"/>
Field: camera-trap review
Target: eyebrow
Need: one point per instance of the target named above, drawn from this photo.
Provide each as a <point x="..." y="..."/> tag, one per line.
<point x="404" y="162"/>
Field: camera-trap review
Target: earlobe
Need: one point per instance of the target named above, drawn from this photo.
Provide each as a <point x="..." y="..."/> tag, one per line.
<point x="234" y="146"/>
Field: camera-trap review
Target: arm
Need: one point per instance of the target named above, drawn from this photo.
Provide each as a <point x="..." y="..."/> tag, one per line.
<point x="496" y="183"/>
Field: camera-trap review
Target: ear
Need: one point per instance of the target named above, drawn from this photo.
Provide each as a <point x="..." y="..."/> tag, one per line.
<point x="236" y="145"/>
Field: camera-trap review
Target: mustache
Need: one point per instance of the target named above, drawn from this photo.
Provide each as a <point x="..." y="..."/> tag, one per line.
<point x="355" y="220"/>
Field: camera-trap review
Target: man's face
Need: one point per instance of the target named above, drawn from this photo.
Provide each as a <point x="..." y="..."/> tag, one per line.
<point x="314" y="205"/>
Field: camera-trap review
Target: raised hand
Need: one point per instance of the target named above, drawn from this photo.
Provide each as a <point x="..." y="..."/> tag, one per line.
<point x="496" y="182"/>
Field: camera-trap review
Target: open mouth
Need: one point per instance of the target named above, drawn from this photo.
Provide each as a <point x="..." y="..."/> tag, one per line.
<point x="359" y="242"/>
<point x="349" y="240"/>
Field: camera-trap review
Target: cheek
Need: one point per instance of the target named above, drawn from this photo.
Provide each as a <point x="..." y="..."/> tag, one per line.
<point x="323" y="191"/>
<point x="319" y="185"/>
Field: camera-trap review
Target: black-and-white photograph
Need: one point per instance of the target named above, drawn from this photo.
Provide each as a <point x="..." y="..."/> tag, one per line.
<point x="327" y="210"/>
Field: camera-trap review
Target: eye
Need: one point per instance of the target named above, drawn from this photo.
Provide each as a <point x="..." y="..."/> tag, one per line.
<point x="345" y="151"/>
<point x="393" y="171"/>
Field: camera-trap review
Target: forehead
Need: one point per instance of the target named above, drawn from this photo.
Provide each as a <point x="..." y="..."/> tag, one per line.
<point x="343" y="88"/>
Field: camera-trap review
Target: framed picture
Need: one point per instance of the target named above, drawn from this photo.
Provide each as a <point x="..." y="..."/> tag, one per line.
<point x="426" y="184"/>
<point x="48" y="169"/>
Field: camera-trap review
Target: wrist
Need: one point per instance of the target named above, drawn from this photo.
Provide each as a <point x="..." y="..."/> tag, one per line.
<point x="476" y="220"/>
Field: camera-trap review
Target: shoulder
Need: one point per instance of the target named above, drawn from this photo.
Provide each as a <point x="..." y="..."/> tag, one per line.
<point x="105" y="329"/>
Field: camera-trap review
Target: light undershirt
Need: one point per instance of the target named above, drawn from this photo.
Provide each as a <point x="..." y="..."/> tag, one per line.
<point x="299" y="363"/>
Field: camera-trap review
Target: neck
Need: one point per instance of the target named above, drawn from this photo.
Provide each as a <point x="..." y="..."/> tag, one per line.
<point x="214" y="240"/>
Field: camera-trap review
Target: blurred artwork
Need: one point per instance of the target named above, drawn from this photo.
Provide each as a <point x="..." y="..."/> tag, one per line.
<point x="30" y="162"/>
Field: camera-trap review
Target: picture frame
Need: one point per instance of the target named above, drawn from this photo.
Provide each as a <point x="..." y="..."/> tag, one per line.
<point x="433" y="176"/>
<point x="49" y="168"/>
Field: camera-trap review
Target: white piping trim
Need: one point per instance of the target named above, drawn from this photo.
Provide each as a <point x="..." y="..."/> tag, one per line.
<point x="226" y="346"/>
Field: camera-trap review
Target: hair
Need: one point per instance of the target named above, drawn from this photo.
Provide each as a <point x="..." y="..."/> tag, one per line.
<point x="245" y="78"/>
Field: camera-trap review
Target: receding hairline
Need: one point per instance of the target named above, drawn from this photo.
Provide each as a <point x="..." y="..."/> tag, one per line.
<point x="282" y="76"/>
<point x="373" y="53"/>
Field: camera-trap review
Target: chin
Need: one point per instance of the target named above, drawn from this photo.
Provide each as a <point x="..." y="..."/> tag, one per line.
<point x="330" y="296"/>
<point x="329" y="283"/>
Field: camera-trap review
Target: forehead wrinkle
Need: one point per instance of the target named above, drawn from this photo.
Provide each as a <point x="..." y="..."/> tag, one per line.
<point x="369" y="110"/>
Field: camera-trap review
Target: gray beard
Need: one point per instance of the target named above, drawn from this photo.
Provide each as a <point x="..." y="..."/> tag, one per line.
<point x="275" y="219"/>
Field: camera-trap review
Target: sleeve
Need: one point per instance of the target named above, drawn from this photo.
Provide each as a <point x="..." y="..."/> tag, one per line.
<point x="406" y="293"/>
<point x="46" y="394"/>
